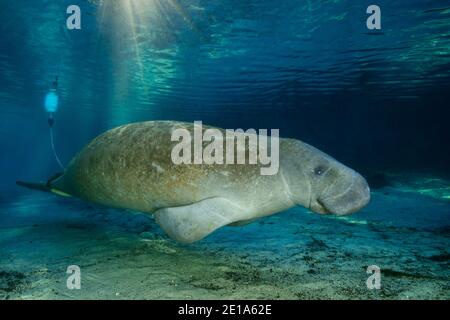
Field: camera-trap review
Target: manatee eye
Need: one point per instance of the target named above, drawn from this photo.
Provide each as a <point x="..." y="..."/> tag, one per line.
<point x="318" y="171"/>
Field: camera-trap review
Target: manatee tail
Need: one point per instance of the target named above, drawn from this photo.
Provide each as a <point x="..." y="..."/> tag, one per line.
<point x="43" y="186"/>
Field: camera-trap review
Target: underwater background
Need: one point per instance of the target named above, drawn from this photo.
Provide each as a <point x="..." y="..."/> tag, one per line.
<point x="376" y="100"/>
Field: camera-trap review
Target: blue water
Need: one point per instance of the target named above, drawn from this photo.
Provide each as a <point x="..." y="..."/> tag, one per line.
<point x="377" y="100"/>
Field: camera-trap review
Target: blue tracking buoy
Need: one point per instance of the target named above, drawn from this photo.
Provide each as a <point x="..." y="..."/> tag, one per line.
<point x="51" y="106"/>
<point x="51" y="101"/>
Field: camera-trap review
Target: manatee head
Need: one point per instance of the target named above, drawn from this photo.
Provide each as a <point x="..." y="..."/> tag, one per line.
<point x="321" y="183"/>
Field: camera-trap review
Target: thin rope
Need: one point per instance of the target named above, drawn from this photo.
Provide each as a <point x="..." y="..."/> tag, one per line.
<point x="54" y="150"/>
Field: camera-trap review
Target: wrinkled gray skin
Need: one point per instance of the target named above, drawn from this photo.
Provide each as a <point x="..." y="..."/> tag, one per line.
<point x="321" y="183"/>
<point x="130" y="167"/>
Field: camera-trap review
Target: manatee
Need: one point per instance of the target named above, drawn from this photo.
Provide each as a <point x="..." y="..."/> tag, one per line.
<point x="131" y="167"/>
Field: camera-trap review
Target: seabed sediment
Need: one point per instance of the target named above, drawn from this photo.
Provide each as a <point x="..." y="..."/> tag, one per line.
<point x="291" y="255"/>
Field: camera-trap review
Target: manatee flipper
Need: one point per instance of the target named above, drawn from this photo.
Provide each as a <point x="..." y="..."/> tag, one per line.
<point x="195" y="221"/>
<point x="241" y="223"/>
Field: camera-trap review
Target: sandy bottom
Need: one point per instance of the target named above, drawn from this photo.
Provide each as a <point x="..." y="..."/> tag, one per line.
<point x="292" y="255"/>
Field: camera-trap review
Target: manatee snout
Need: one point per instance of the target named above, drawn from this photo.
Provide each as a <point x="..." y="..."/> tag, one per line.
<point x="345" y="196"/>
